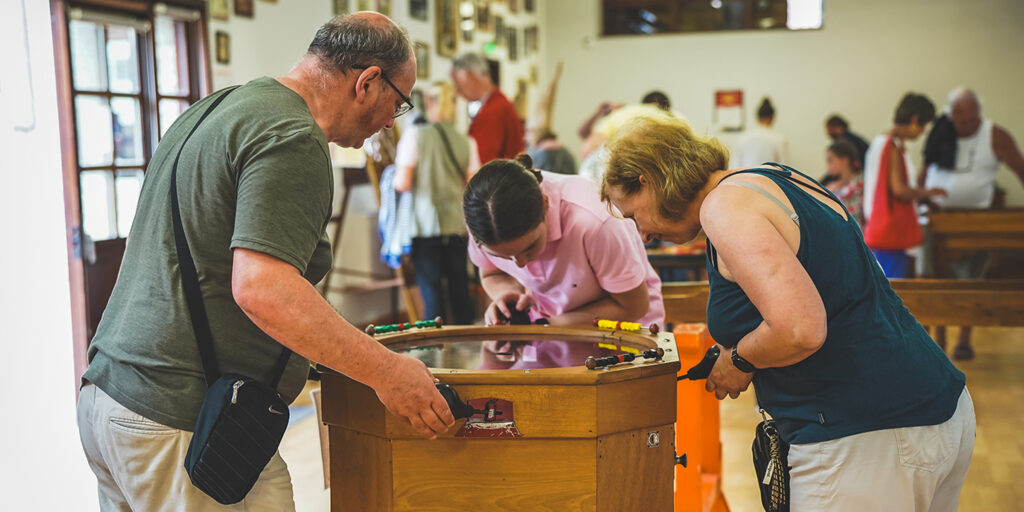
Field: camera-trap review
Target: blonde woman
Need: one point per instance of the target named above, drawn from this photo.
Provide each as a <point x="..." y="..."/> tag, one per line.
<point x="434" y="162"/>
<point x="876" y="415"/>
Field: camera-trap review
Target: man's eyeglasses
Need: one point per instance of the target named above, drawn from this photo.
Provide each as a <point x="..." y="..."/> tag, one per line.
<point x="406" y="105"/>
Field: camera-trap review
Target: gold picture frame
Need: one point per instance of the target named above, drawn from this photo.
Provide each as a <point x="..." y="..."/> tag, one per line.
<point x="446" y="27"/>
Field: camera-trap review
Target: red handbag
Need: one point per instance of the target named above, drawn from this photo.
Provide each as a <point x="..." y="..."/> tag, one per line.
<point x="893" y="223"/>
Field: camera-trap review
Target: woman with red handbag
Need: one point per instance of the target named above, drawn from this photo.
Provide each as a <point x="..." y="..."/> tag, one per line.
<point x="889" y="207"/>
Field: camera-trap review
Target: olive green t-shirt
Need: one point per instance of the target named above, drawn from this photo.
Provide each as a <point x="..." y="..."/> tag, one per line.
<point x="256" y="175"/>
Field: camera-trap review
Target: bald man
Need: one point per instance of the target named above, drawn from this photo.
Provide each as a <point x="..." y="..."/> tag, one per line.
<point x="254" y="184"/>
<point x="978" y="147"/>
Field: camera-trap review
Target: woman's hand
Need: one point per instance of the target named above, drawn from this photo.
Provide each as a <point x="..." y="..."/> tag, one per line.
<point x="726" y="379"/>
<point x="500" y="311"/>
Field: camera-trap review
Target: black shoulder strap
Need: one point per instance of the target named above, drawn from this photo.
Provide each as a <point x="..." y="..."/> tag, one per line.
<point x="786" y="172"/>
<point x="190" y="277"/>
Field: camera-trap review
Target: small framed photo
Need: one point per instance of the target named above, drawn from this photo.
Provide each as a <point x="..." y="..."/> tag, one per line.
<point x="483" y="16"/>
<point x="499" y="31"/>
<point x="384" y="7"/>
<point x="530" y="5"/>
<point x="222" y="47"/>
<point x="340" y="7"/>
<point x="422" y="51"/>
<point x="446" y="26"/>
<point x="219" y="10"/>
<point x="419" y="10"/>
<point x="530" y="43"/>
<point x="512" y="42"/>
<point x="243" y="8"/>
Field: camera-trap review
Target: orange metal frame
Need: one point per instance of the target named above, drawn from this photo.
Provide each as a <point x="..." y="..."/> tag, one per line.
<point x="699" y="484"/>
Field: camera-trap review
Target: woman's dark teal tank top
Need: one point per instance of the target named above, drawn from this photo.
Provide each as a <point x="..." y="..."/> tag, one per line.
<point x="878" y="368"/>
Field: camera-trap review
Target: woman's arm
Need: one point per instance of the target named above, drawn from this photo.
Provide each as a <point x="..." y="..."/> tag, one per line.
<point x="627" y="306"/>
<point x="898" y="185"/>
<point x="743" y="226"/>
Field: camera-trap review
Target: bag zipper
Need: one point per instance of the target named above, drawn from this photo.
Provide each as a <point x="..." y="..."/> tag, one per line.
<point x="234" y="390"/>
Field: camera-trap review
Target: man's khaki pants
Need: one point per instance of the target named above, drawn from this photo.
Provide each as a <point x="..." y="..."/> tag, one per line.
<point x="139" y="464"/>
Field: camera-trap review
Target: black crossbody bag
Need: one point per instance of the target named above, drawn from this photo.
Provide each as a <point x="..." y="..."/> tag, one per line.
<point x="242" y="420"/>
<point x="771" y="465"/>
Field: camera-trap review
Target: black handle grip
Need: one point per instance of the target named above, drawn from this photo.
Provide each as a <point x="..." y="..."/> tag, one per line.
<point x="702" y="369"/>
<point x="459" y="408"/>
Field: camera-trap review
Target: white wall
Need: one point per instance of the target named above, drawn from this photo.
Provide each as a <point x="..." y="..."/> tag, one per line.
<point x="44" y="467"/>
<point x="867" y="55"/>
<point x="276" y="37"/>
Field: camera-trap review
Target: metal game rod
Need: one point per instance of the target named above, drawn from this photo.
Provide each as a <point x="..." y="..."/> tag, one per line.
<point x="615" y="325"/>
<point x="592" y="363"/>
<point x="422" y="324"/>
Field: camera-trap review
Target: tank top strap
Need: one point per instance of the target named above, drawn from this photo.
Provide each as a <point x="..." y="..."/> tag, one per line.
<point x="786" y="172"/>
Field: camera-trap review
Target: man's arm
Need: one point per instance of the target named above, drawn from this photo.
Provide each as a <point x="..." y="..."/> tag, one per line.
<point x="1006" y="151"/>
<point x="284" y="305"/>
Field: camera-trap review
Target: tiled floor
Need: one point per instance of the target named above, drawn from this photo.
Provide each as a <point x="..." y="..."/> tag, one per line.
<point x="995" y="379"/>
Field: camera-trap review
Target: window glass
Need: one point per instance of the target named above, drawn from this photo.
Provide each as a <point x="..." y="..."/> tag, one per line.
<point x="97" y="193"/>
<point x="644" y="17"/>
<point x="127" y="122"/>
<point x="123" y="59"/>
<point x="88" y="63"/>
<point x="169" y="112"/>
<point x="171" y="57"/>
<point x="128" y="184"/>
<point x="93" y="125"/>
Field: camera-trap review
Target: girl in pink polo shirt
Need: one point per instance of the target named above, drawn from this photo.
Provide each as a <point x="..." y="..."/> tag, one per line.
<point x="545" y="242"/>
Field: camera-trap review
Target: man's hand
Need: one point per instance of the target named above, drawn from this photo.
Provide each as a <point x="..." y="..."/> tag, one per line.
<point x="726" y="379"/>
<point x="500" y="311"/>
<point x="408" y="392"/>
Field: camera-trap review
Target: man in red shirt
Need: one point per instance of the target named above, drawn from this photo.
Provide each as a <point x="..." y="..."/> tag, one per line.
<point x="496" y="127"/>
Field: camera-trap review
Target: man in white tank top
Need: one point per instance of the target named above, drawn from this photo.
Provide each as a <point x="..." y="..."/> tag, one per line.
<point x="980" y="146"/>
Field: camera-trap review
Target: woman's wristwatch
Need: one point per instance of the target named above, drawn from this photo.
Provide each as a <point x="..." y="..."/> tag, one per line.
<point x="741" y="364"/>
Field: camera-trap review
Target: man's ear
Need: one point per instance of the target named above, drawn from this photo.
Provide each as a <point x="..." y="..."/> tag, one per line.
<point x="363" y="82"/>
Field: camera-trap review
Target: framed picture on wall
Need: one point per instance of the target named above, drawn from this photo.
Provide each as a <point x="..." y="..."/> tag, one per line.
<point x="222" y="47"/>
<point x="243" y="8"/>
<point x="483" y="16"/>
<point x="340" y="7"/>
<point x="219" y="10"/>
<point x="499" y="31"/>
<point x="530" y="43"/>
<point x="418" y="10"/>
<point x="384" y="7"/>
<point x="446" y="27"/>
<point x="422" y="51"/>
<point x="530" y="5"/>
<point x="512" y="42"/>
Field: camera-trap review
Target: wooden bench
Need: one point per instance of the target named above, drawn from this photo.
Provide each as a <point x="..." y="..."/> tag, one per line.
<point x="932" y="301"/>
<point x="956" y="233"/>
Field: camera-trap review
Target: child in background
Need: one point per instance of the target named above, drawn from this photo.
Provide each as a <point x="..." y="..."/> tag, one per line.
<point x="891" y="219"/>
<point x="846" y="181"/>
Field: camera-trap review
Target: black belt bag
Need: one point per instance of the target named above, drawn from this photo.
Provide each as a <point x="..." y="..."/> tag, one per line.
<point x="771" y="465"/>
<point x="242" y="420"/>
<point x="238" y="430"/>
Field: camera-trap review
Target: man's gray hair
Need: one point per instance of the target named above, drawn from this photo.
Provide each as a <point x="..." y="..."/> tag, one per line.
<point x="472" y="62"/>
<point x="958" y="93"/>
<point x="348" y="41"/>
